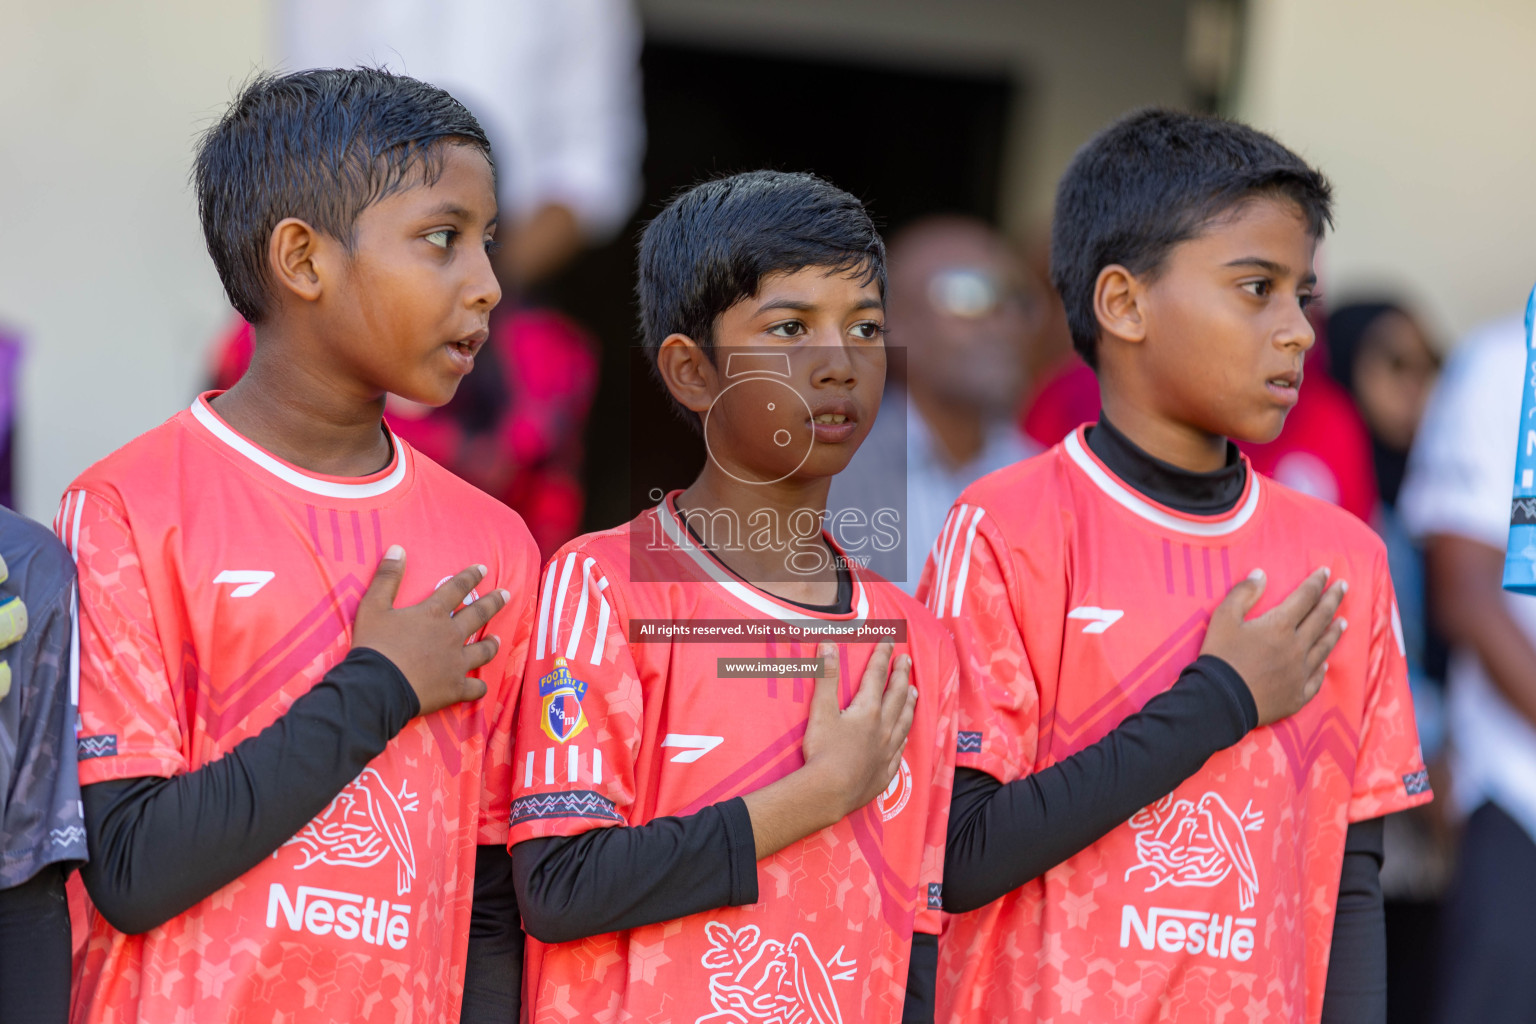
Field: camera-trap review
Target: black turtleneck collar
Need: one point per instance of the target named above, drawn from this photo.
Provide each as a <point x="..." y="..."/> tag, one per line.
<point x="1201" y="494"/>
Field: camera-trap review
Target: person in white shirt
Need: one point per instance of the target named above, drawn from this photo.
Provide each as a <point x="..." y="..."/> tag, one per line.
<point x="963" y="309"/>
<point x="1457" y="499"/>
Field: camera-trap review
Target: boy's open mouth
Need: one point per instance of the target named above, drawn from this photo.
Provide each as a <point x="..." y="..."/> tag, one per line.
<point x="463" y="349"/>
<point x="834" y="421"/>
<point x="1286" y="387"/>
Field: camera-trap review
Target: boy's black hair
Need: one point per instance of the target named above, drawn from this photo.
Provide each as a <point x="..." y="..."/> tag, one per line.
<point x="1156" y="178"/>
<point x="319" y="145"/>
<point x="712" y="245"/>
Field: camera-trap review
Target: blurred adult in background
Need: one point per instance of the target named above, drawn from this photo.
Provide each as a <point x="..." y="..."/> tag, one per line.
<point x="1323" y="451"/>
<point x="962" y="307"/>
<point x="1379" y="353"/>
<point x="1456" y="498"/>
<point x="556" y="86"/>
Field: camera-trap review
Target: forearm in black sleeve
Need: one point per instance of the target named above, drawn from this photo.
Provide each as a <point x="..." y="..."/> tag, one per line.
<point x="34" y="949"/>
<point x="158" y="846"/>
<point x="1356" y="991"/>
<point x="922" y="979"/>
<point x="1001" y="836"/>
<point x="493" y="975"/>
<point x="609" y="879"/>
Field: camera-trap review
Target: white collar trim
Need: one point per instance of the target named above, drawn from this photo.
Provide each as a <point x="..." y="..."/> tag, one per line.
<point x="1134" y="502"/>
<point x="314" y="485"/>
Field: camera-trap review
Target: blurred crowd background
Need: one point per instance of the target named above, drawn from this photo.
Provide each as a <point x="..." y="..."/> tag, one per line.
<point x="952" y="120"/>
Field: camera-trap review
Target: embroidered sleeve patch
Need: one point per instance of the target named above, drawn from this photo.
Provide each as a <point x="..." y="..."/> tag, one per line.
<point x="969" y="743"/>
<point x="88" y="747"/>
<point x="1416" y="782"/>
<point x="935" y="896"/>
<point x="576" y="803"/>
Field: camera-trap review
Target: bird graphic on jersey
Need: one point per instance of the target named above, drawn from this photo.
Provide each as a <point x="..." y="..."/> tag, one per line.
<point x="768" y="982"/>
<point x="1189" y="844"/>
<point x="360" y="827"/>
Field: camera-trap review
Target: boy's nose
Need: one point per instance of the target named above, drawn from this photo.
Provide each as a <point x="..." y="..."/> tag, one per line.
<point x="1297" y="331"/>
<point x="836" y="365"/>
<point x="484" y="290"/>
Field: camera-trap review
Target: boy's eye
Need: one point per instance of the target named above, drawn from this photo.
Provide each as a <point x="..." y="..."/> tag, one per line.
<point x="442" y="238"/>
<point x="869" y="330"/>
<point x="788" y="329"/>
<point x="1259" y="289"/>
<point x="492" y="247"/>
<point x="1307" y="299"/>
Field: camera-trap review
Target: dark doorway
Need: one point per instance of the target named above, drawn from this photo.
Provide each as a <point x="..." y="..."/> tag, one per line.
<point x="906" y="142"/>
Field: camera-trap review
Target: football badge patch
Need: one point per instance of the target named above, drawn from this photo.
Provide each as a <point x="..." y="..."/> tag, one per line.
<point x="561" y="692"/>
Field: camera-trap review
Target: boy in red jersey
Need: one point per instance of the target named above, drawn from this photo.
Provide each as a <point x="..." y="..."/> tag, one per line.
<point x="774" y="858"/>
<point x="1077" y="582"/>
<point x="287" y="809"/>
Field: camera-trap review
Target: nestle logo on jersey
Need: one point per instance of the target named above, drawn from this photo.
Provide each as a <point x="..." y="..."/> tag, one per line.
<point x="343" y="914"/>
<point x="1188" y="931"/>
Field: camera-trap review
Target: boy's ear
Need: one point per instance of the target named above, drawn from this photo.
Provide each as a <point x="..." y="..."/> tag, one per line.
<point x="296" y="259"/>
<point x="688" y="372"/>
<point x="1118" y="303"/>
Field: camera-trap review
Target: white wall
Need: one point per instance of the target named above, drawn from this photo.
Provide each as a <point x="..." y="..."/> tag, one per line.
<point x="1423" y="113"/>
<point x="102" y="266"/>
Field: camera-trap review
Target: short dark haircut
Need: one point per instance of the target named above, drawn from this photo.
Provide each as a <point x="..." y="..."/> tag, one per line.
<point x="712" y="245"/>
<point x="1156" y="178"/>
<point x="319" y="145"/>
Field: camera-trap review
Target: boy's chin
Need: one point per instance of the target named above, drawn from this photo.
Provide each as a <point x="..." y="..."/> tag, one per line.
<point x="414" y="403"/>
<point x="827" y="460"/>
<point x="1259" y="429"/>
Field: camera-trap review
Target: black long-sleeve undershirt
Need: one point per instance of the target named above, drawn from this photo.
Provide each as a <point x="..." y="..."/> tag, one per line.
<point x="161" y="845"/>
<point x="493" y="973"/>
<point x="34" y="949"/>
<point x="610" y="879"/>
<point x="1356" y="990"/>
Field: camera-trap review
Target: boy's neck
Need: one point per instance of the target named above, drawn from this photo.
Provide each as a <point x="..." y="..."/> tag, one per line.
<point x="782" y="504"/>
<point x="320" y="422"/>
<point x="1178" y="444"/>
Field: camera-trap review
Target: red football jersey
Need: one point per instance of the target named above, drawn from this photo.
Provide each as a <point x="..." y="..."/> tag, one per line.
<point x="217" y="585"/>
<point x="1073" y="600"/>
<point x="619" y="729"/>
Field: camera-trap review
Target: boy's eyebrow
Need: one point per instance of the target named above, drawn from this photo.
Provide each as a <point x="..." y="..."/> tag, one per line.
<point x="801" y="306"/>
<point x="1269" y="266"/>
<point x="449" y="208"/>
